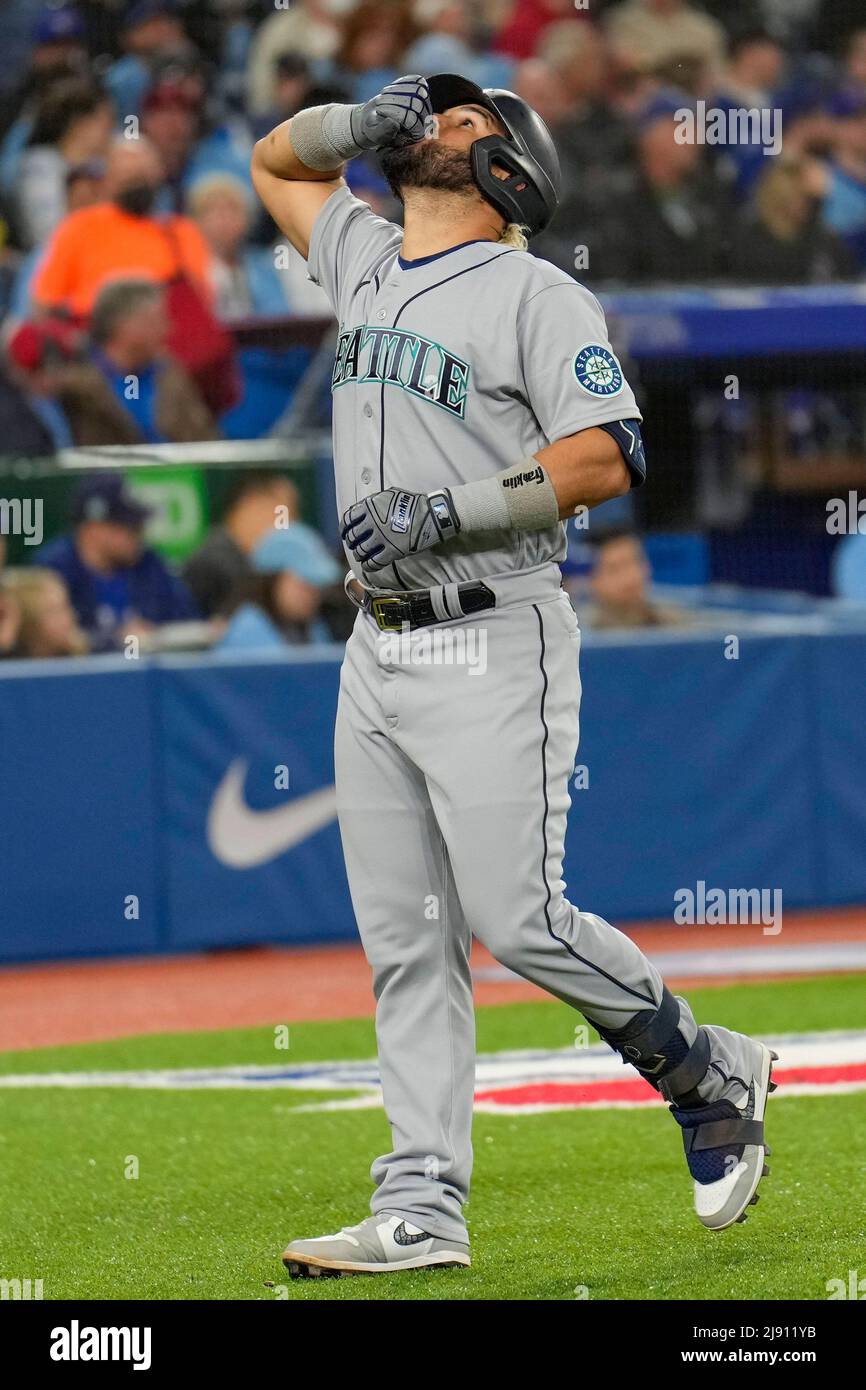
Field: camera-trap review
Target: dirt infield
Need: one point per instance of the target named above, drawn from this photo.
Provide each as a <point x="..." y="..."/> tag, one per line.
<point x="84" y="1001"/>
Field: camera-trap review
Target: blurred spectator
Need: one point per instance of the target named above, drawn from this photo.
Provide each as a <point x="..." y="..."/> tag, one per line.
<point x="17" y="42"/>
<point x="150" y="30"/>
<point x="854" y="67"/>
<point x="448" y="44"/>
<point x="10" y="624"/>
<point x="225" y="44"/>
<point x="72" y="127"/>
<point x="310" y="29"/>
<point x="619" y="587"/>
<point x="849" y="569"/>
<point x="119" y="237"/>
<point x="189" y="145"/>
<point x="656" y="35"/>
<point x="526" y="22"/>
<point x="279" y="605"/>
<point x="674" y="226"/>
<point x="118" y="586"/>
<point x="578" y="56"/>
<point x="374" y="36"/>
<point x="35" y="351"/>
<point x="754" y="68"/>
<point x="834" y="22"/>
<point x="24" y="429"/>
<point x="245" y="278"/>
<point x="841" y="181"/>
<point x="85" y="186"/>
<point x="733" y="16"/>
<point x="170" y="120"/>
<point x="292" y="81"/>
<point x="46" y="622"/>
<point x="256" y="502"/>
<point x="128" y="389"/>
<point x="783" y="241"/>
<point x="10" y="612"/>
<point x="543" y="88"/>
<point x="58" y="51"/>
<point x="103" y="21"/>
<point x="751" y="80"/>
<point x="595" y="143"/>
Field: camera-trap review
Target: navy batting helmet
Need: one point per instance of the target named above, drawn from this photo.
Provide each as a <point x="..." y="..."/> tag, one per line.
<point x="530" y="192"/>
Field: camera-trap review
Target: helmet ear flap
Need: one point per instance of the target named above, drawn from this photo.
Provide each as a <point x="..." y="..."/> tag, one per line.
<point x="516" y="196"/>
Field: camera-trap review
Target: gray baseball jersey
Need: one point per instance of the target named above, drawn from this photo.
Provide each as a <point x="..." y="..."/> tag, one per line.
<point x="451" y="368"/>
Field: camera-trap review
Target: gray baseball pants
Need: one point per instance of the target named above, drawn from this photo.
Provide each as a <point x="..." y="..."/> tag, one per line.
<point x="452" y="794"/>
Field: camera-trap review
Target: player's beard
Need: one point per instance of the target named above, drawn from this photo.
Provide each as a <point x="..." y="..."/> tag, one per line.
<point x="428" y="164"/>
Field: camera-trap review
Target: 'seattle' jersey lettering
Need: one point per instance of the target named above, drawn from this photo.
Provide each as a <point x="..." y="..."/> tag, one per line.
<point x="400" y="358"/>
<point x="452" y="368"/>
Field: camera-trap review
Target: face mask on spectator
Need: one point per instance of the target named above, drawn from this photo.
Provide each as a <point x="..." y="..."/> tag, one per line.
<point x="137" y="198"/>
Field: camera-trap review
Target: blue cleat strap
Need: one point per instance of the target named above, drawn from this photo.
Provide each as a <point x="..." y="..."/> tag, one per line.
<point x="715" y="1134"/>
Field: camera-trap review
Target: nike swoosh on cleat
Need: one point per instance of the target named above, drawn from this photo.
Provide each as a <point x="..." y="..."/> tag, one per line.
<point x="402" y="1236"/>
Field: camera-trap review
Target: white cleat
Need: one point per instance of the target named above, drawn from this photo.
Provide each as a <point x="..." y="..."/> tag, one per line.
<point x="378" y="1245"/>
<point x="725" y="1149"/>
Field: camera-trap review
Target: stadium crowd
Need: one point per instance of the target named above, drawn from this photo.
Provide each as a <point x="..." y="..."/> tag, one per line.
<point x="132" y="243"/>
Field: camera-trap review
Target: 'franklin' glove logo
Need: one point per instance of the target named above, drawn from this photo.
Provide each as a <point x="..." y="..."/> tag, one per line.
<point x="402" y="515"/>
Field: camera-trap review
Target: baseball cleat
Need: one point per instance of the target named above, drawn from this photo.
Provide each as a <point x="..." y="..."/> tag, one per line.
<point x="379" y="1245"/>
<point x="725" y="1148"/>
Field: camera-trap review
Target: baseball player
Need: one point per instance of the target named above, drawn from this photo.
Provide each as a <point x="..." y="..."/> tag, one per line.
<point x="477" y="405"/>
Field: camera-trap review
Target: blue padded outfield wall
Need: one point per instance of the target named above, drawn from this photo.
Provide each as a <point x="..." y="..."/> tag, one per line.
<point x="745" y="773"/>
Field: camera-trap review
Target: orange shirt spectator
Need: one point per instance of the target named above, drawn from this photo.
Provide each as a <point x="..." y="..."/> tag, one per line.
<point x="104" y="242"/>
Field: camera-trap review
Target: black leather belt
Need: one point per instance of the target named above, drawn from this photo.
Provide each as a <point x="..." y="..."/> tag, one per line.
<point x="394" y="609"/>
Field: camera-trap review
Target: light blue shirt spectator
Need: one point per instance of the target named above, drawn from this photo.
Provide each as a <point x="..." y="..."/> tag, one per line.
<point x="295" y="552"/>
<point x="844" y="209"/>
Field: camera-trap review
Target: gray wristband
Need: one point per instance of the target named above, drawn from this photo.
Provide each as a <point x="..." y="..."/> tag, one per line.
<point x="521" y="498"/>
<point x="322" y="136"/>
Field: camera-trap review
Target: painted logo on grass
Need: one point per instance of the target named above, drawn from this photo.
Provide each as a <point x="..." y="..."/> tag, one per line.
<point x="507" y="1083"/>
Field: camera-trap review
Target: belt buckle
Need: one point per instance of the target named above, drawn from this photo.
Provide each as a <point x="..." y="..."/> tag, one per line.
<point x="381" y="618"/>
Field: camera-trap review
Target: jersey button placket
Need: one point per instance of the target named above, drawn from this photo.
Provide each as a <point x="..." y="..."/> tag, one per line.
<point x="366" y="473"/>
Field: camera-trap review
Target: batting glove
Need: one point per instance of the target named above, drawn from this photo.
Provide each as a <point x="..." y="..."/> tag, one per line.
<point x="401" y="114"/>
<point x="390" y="525"/>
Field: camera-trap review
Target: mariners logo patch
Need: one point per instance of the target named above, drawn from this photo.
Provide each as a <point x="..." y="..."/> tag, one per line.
<point x="597" y="371"/>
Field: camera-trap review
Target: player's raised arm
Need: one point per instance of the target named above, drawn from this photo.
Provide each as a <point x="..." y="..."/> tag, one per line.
<point x="297" y="167"/>
<point x="291" y="191"/>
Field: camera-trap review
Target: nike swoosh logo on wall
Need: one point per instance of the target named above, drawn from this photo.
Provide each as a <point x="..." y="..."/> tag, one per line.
<point x="242" y="838"/>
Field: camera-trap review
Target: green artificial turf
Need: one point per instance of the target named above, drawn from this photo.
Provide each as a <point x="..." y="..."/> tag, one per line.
<point x="575" y="1204"/>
